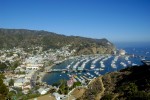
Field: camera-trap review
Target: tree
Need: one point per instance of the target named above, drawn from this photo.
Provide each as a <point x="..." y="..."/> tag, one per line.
<point x="76" y="84"/>
<point x="3" y="90"/>
<point x="11" y="82"/>
<point x="107" y="97"/>
<point x="130" y="88"/>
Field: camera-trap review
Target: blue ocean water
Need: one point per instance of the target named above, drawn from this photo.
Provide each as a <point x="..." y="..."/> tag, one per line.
<point x="137" y="48"/>
<point x="137" y="53"/>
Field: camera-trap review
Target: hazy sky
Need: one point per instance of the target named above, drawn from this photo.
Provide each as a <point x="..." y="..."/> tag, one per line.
<point x="116" y="20"/>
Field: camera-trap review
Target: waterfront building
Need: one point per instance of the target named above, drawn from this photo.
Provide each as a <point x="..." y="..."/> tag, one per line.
<point x="122" y="52"/>
<point x="59" y="96"/>
<point x="43" y="91"/>
<point x="70" y="83"/>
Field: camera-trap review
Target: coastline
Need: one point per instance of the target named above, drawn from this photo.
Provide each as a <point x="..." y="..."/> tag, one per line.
<point x="42" y="74"/>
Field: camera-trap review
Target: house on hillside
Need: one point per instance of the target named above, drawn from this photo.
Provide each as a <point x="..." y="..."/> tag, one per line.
<point x="70" y="83"/>
<point x="19" y="82"/>
<point x="59" y="96"/>
<point x="43" y="91"/>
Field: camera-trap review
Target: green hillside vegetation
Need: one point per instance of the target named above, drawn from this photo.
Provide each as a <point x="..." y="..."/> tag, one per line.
<point x="23" y="38"/>
<point x="8" y="66"/>
<point x="132" y="83"/>
<point x="3" y="89"/>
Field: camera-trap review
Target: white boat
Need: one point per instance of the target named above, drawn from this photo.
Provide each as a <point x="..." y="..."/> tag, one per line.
<point x="126" y="58"/>
<point x="88" y="73"/>
<point x="63" y="71"/>
<point x="97" y="73"/>
<point x="129" y="62"/>
<point x="76" y="65"/>
<point x="97" y="69"/>
<point x="123" y="64"/>
<point x="92" y="66"/>
<point x="102" y="65"/>
<point x="113" y="65"/>
<point x="94" y="62"/>
<point x="101" y="69"/>
<point x="116" y="58"/>
<point x="133" y="64"/>
<point x="78" y="79"/>
<point x="92" y="75"/>
<point x="84" y="63"/>
<point x="69" y="75"/>
<point x="68" y="66"/>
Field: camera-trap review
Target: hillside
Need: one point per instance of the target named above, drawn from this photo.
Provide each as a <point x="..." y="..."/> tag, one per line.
<point x="132" y="83"/>
<point x="10" y="38"/>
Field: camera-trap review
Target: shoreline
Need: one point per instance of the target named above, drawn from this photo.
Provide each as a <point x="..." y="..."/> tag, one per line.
<point x="42" y="74"/>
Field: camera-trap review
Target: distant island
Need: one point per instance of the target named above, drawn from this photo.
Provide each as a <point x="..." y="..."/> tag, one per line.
<point x="23" y="38"/>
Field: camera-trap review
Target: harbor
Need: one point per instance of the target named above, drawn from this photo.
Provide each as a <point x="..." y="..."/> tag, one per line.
<point x="85" y="68"/>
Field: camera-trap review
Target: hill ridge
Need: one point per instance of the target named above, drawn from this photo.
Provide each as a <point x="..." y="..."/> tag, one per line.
<point x="131" y="83"/>
<point x="25" y="38"/>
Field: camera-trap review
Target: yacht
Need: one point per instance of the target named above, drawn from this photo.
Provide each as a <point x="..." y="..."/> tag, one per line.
<point x="123" y="64"/>
<point x="113" y="65"/>
<point x="92" y="66"/>
<point x="101" y="69"/>
<point x="133" y="64"/>
<point x="129" y="62"/>
<point x="68" y="66"/>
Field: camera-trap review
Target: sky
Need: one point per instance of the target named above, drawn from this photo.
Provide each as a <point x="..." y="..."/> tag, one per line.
<point x="116" y="20"/>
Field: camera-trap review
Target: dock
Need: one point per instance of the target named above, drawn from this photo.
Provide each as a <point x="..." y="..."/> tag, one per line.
<point x="56" y="70"/>
<point x="66" y="70"/>
<point x="146" y="62"/>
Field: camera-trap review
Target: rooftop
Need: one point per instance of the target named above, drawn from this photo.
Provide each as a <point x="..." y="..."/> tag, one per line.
<point x="20" y="80"/>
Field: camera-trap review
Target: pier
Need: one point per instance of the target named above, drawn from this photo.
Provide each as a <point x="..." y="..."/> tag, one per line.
<point x="56" y="70"/>
<point x="66" y="70"/>
<point x="146" y="62"/>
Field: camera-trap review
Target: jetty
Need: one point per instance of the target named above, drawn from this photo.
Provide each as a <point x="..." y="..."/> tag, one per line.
<point x="146" y="62"/>
<point x="56" y="70"/>
<point x="64" y="70"/>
